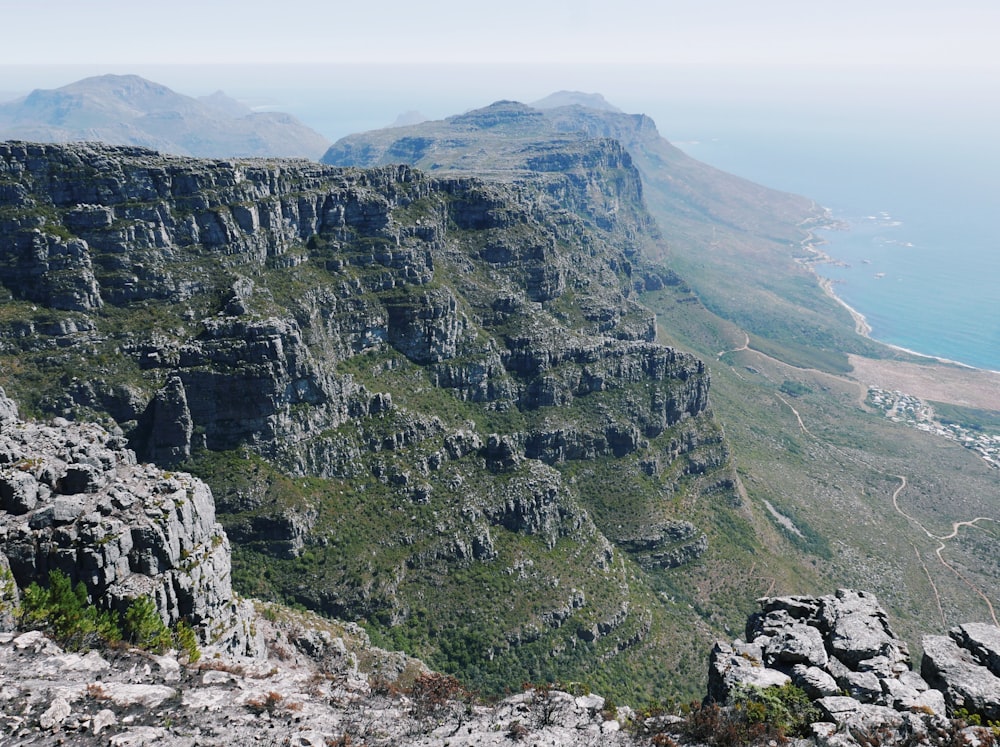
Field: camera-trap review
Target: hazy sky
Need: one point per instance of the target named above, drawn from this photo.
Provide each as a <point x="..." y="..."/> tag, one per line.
<point x="932" y="33"/>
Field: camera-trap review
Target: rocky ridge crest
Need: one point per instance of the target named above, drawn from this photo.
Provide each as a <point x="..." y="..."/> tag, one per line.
<point x="467" y="357"/>
<point x="74" y="499"/>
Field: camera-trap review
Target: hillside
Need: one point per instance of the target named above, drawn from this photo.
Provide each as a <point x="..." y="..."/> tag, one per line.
<point x="151" y="645"/>
<point x="439" y="403"/>
<point x="837" y="491"/>
<point x="129" y="110"/>
<point x="430" y="405"/>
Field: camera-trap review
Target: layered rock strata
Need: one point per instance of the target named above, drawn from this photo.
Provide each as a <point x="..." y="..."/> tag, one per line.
<point x="441" y="351"/>
<point x="74" y="499"/>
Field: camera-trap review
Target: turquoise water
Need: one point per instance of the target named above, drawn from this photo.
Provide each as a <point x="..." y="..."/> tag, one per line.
<point x="921" y="257"/>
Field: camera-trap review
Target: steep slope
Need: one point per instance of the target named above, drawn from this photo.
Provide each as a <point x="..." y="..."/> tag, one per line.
<point x="737" y="243"/>
<point x="429" y="404"/>
<point x="837" y="494"/>
<point x="129" y="110"/>
<point x="74" y="500"/>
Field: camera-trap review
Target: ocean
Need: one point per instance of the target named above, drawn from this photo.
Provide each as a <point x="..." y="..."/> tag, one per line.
<point x="908" y="160"/>
<point x="920" y="257"/>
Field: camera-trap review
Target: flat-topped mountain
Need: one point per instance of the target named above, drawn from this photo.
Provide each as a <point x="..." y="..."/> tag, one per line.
<point x="129" y="110"/>
<point x="732" y="239"/>
<point x="430" y="404"/>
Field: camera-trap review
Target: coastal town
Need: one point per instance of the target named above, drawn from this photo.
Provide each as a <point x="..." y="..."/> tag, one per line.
<point x="913" y="411"/>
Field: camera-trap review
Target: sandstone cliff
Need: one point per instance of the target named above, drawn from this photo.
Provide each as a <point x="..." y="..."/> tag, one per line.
<point x="459" y="366"/>
<point x="74" y="499"/>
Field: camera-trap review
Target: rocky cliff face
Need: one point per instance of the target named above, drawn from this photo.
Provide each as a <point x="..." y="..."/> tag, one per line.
<point x="458" y="365"/>
<point x="840" y="650"/>
<point x="74" y="499"/>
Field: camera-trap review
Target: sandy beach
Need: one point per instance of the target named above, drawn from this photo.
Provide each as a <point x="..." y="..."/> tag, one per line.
<point x="938" y="380"/>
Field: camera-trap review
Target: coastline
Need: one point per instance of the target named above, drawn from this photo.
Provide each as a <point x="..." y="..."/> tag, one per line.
<point x="934" y="378"/>
<point x="810" y="244"/>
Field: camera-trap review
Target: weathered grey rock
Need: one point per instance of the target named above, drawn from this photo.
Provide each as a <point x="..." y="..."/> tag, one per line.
<point x="796" y="644"/>
<point x="170" y="425"/>
<point x="816" y="682"/>
<point x="291" y="698"/>
<point x="8" y="409"/>
<point x="858" y="628"/>
<point x="18" y="491"/>
<point x="982" y="640"/>
<point x="849" y="712"/>
<point x="102" y="720"/>
<point x="56" y="713"/>
<point x="728" y="669"/>
<point x="124" y="529"/>
<point x="957" y="673"/>
<point x="830" y="645"/>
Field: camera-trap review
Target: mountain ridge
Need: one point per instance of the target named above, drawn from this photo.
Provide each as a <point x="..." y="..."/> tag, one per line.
<point x="130" y="110"/>
<point x="325" y="342"/>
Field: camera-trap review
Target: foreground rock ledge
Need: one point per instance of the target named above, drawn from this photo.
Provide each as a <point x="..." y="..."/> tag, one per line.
<point x="73" y="499"/>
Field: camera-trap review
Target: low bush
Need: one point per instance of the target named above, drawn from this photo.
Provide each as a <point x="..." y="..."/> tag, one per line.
<point x="64" y="612"/>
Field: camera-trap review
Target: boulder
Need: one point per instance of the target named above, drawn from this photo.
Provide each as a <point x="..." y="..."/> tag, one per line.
<point x="18" y="491"/>
<point x="78" y="502"/>
<point x="857" y="628"/>
<point x="982" y="640"/>
<point x="964" y="680"/>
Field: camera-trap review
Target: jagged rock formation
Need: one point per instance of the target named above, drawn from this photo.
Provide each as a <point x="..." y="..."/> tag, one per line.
<point x="841" y="651"/>
<point x="73" y="499"/>
<point x="828" y="646"/>
<point x="129" y="110"/>
<point x="965" y="666"/>
<point x="459" y="365"/>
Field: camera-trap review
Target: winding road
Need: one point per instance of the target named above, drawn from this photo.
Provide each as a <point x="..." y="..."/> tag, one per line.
<point x="942" y="540"/>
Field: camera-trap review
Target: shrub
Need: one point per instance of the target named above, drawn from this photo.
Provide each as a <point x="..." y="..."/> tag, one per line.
<point x="433" y="691"/>
<point x="755" y="715"/>
<point x="143" y="626"/>
<point x="63" y="612"/>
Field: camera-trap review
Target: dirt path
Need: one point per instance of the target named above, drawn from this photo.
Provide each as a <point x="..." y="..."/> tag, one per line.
<point x="741" y="348"/>
<point x="942" y="544"/>
<point x="982" y="389"/>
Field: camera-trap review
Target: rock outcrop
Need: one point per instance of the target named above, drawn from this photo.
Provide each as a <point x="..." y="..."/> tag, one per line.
<point x="837" y="647"/>
<point x="841" y="652"/>
<point x="74" y="499"/>
<point x="965" y="666"/>
<point x="458" y="364"/>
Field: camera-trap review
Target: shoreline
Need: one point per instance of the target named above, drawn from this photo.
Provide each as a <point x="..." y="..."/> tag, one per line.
<point x="810" y="244"/>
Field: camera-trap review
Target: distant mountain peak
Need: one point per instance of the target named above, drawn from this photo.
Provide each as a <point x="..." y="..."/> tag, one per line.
<point x="497" y="114"/>
<point x="130" y="110"/>
<point x="224" y="104"/>
<point x="409" y="118"/>
<point x="576" y="98"/>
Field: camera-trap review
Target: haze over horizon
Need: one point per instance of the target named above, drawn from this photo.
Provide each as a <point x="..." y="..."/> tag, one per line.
<point x="852" y="33"/>
<point x="863" y="107"/>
